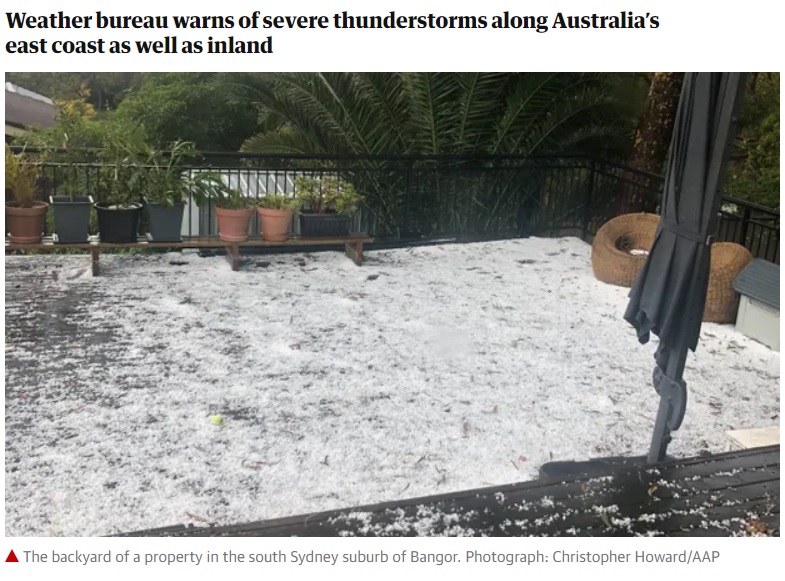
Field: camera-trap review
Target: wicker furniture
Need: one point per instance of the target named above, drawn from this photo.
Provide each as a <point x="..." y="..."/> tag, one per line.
<point x="728" y="259"/>
<point x="611" y="256"/>
<point x="620" y="249"/>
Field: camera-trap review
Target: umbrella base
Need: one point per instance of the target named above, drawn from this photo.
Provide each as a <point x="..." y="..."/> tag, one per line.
<point x="591" y="467"/>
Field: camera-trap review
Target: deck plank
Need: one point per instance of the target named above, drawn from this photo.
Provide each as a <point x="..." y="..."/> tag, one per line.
<point x="735" y="493"/>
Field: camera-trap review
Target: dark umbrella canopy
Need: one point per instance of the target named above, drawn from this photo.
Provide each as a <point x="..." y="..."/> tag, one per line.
<point x="668" y="297"/>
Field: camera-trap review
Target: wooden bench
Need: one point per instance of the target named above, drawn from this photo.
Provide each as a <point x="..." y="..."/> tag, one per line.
<point x="730" y="494"/>
<point x="353" y="246"/>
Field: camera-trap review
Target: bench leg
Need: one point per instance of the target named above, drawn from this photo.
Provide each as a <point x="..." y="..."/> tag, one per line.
<point x="233" y="256"/>
<point x="354" y="250"/>
<point x="94" y="254"/>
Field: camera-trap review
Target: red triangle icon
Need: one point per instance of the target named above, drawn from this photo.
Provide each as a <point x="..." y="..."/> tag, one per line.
<point x="12" y="557"/>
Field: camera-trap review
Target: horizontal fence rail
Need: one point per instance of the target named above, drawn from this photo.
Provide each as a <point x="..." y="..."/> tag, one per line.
<point x="410" y="198"/>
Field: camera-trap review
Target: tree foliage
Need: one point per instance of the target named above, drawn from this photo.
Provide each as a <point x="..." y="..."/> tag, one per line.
<point x="392" y="113"/>
<point x="188" y="107"/>
<point x="433" y="113"/>
<point x="78" y="129"/>
<point x="754" y="173"/>
<point x="169" y="106"/>
<point x="425" y="113"/>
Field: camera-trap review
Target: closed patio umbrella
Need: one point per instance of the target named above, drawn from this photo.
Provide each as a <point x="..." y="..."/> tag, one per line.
<point x="668" y="296"/>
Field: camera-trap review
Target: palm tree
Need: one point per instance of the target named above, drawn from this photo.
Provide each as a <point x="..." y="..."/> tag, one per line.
<point x="430" y="113"/>
<point x="472" y="115"/>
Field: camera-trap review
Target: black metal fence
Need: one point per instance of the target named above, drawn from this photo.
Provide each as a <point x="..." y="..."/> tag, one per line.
<point x="421" y="197"/>
<point x="750" y="225"/>
<point x="753" y="226"/>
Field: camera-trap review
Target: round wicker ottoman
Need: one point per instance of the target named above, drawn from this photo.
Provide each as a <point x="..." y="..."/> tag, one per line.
<point x="728" y="259"/>
<point x="611" y="257"/>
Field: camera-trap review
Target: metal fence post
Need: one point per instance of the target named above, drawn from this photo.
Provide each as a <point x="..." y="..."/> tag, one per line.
<point x="745" y="224"/>
<point x="587" y="206"/>
<point x="408" y="170"/>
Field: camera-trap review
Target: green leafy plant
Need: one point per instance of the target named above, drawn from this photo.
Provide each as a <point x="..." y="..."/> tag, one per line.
<point x="209" y="187"/>
<point x="233" y="200"/>
<point x="122" y="183"/>
<point x="160" y="175"/>
<point x="279" y="202"/>
<point x="70" y="183"/>
<point x="164" y="179"/>
<point x="21" y="178"/>
<point x="12" y="165"/>
<point x="70" y="149"/>
<point x="327" y="194"/>
<point x="754" y="169"/>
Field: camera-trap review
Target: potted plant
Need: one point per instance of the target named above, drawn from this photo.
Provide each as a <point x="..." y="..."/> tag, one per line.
<point x="71" y="211"/>
<point x="120" y="209"/>
<point x="328" y="204"/>
<point x="166" y="186"/>
<point x="275" y="214"/>
<point x="234" y="213"/>
<point x="119" y="212"/>
<point x="233" y="210"/>
<point x="25" y="217"/>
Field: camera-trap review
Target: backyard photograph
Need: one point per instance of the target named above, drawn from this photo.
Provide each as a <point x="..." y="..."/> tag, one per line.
<point x="392" y="304"/>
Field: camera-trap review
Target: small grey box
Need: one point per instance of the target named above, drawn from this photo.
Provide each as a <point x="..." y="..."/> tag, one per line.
<point x="759" y="307"/>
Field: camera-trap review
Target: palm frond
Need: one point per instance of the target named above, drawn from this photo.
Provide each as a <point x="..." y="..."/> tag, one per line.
<point x="430" y="113"/>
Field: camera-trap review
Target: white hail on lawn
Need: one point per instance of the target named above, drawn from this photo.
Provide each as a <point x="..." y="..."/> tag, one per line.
<point x="427" y="370"/>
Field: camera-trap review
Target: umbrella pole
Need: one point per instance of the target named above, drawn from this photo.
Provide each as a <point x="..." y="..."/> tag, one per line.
<point x="673" y="402"/>
<point x="662" y="436"/>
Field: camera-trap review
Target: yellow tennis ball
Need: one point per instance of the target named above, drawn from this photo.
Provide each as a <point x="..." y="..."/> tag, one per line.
<point x="217" y="420"/>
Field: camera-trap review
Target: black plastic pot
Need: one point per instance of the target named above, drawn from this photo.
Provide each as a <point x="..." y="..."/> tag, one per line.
<point x="72" y="218"/>
<point x="164" y="222"/>
<point x="324" y="225"/>
<point x="118" y="225"/>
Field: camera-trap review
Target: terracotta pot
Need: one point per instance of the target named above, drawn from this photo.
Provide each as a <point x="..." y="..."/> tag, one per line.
<point x="26" y="225"/>
<point x="234" y="225"/>
<point x="276" y="224"/>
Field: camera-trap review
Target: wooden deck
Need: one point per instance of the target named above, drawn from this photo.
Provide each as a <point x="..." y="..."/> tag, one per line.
<point x="731" y="494"/>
